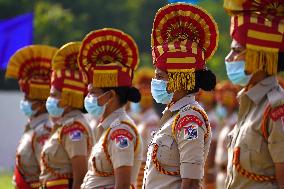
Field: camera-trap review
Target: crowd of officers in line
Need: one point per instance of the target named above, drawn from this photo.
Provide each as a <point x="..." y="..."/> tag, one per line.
<point x="94" y="121"/>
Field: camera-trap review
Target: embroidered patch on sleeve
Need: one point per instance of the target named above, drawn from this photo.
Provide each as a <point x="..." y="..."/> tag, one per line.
<point x="188" y="119"/>
<point x="75" y="135"/>
<point x="191" y="132"/>
<point x="42" y="139"/>
<point x="122" y="142"/>
<point x="121" y="132"/>
<point x="122" y="137"/>
<point x="277" y="113"/>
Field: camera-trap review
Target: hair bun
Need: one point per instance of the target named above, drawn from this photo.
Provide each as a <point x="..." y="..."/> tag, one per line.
<point x="206" y="79"/>
<point x="134" y="95"/>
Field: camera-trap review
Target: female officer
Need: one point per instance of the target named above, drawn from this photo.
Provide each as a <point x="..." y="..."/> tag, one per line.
<point x="110" y="56"/>
<point x="183" y="38"/>
<point x="64" y="156"/>
<point x="226" y="94"/>
<point x="31" y="66"/>
<point x="256" y="144"/>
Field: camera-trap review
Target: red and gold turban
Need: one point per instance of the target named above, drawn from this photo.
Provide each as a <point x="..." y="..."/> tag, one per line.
<point x="184" y="37"/>
<point x="109" y="57"/>
<point x="31" y="65"/>
<point x="258" y="25"/>
<point x="142" y="80"/>
<point x="226" y="93"/>
<point x="66" y="76"/>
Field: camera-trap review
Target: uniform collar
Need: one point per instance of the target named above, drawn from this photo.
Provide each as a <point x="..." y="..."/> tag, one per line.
<point x="106" y="123"/>
<point x="257" y="92"/>
<point x="67" y="117"/>
<point x="36" y="121"/>
<point x="189" y="99"/>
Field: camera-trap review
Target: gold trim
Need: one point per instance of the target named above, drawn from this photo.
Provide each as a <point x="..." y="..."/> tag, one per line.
<point x="186" y="60"/>
<point x="265" y="36"/>
<point x="74" y="83"/>
<point x="261" y="48"/>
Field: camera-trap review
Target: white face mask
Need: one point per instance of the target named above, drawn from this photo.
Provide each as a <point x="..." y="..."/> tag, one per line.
<point x="159" y="91"/>
<point x="236" y="72"/>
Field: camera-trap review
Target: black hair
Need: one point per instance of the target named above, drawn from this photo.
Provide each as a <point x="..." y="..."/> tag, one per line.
<point x="125" y="94"/>
<point x="205" y="79"/>
<point x="280" y="65"/>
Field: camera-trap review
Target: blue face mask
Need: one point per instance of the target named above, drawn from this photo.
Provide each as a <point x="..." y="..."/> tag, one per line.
<point x="135" y="107"/>
<point x="52" y="107"/>
<point x="159" y="91"/>
<point x="221" y="111"/>
<point x="236" y="72"/>
<point x="26" y="108"/>
<point x="92" y="106"/>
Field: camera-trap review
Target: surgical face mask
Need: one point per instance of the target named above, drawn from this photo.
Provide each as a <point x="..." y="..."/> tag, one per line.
<point x="52" y="107"/>
<point x="221" y="111"/>
<point x="135" y="107"/>
<point x="159" y="91"/>
<point x="92" y="106"/>
<point x="26" y="108"/>
<point x="236" y="72"/>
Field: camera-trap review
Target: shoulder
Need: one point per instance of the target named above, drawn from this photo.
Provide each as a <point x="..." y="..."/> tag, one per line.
<point x="123" y="132"/>
<point x="276" y="103"/>
<point x="191" y="115"/>
<point x="75" y="130"/>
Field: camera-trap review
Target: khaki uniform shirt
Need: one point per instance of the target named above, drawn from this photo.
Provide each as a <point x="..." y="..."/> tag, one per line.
<point x="28" y="151"/>
<point x="256" y="154"/>
<point x="120" y="146"/>
<point x="221" y="158"/>
<point x="70" y="137"/>
<point x="185" y="152"/>
<point x="149" y="124"/>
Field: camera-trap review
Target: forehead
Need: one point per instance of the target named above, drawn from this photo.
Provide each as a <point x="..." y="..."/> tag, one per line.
<point x="53" y="90"/>
<point x="158" y="71"/>
<point x="236" y="44"/>
<point x="93" y="89"/>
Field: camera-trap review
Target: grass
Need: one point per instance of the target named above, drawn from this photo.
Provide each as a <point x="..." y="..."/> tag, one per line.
<point x="6" y="180"/>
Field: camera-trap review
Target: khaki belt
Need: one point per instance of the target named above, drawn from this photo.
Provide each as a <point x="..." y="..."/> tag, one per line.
<point x="54" y="183"/>
<point x="35" y="184"/>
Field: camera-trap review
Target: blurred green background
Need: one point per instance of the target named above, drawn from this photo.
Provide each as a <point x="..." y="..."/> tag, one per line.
<point x="60" y="21"/>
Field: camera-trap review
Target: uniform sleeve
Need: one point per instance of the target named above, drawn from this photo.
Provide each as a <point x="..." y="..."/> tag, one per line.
<point x="121" y="146"/>
<point x="276" y="137"/>
<point x="75" y="141"/>
<point x="190" y="138"/>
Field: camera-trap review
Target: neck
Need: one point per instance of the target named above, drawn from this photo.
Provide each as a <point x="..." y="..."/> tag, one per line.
<point x="110" y="107"/>
<point x="256" y="78"/>
<point x="179" y="95"/>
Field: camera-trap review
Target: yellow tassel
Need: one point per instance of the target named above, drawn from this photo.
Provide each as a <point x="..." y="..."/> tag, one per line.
<point x="181" y="79"/>
<point x="105" y="79"/>
<point x="261" y="61"/>
<point x="39" y="92"/>
<point x="72" y="98"/>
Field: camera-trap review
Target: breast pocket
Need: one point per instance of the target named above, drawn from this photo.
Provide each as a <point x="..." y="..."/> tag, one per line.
<point x="101" y="161"/>
<point x="251" y="156"/>
<point x="167" y="153"/>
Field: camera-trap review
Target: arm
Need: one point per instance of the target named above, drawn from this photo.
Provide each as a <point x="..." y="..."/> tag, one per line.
<point x="276" y="144"/>
<point x="79" y="169"/>
<point x="190" y="183"/>
<point x="122" y="177"/>
<point x="279" y="171"/>
<point x="191" y="145"/>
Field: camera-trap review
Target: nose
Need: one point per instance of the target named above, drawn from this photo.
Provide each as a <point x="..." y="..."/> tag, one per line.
<point x="230" y="57"/>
